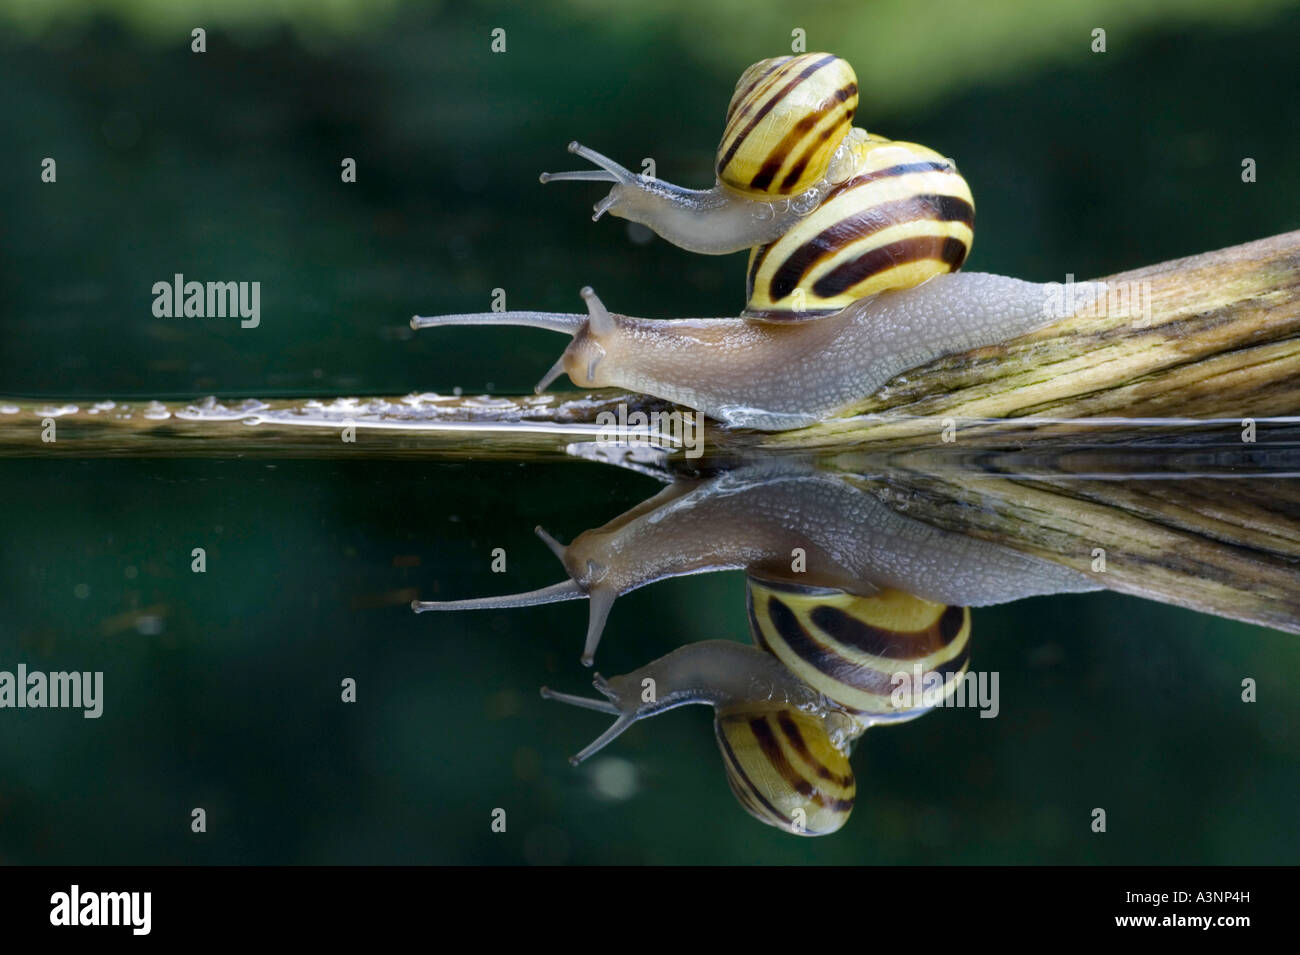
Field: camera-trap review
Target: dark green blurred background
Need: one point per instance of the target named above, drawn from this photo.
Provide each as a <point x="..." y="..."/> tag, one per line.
<point x="222" y="690"/>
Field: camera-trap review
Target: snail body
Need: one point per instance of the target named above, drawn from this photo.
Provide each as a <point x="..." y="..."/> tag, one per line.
<point x="774" y="376"/>
<point x="854" y="240"/>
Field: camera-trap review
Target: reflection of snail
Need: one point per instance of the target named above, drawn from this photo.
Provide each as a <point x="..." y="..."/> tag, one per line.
<point x="782" y="521"/>
<point x="787" y="712"/>
<point x="843" y="595"/>
<point x="851" y="238"/>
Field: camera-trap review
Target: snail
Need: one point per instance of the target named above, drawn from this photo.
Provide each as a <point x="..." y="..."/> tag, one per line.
<point x="784" y="144"/>
<point x="823" y="670"/>
<point x="830" y="213"/>
<point x="855" y="241"/>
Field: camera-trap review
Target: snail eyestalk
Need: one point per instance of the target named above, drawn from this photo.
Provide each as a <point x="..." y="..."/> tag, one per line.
<point x="570" y="323"/>
<point x="555" y="593"/>
<point x="711" y="221"/>
<point x="622" y="700"/>
<point x="597" y="314"/>
<point x="555" y="546"/>
<point x="599" y="323"/>
<point x="608" y="171"/>
<point x="584" y="354"/>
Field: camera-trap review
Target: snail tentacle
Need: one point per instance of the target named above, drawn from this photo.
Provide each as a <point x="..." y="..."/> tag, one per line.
<point x="586" y="702"/>
<point x="599" y="323"/>
<point x="608" y="171"/>
<point x="555" y="593"/>
<point x="570" y="323"/>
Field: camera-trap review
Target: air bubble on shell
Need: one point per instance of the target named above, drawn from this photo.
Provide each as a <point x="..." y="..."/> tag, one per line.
<point x="841" y="164"/>
<point x="804" y="204"/>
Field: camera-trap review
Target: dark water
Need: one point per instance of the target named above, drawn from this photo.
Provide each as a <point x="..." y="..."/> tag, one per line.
<point x="222" y="690"/>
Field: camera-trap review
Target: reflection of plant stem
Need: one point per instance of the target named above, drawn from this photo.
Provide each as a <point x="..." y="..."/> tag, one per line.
<point x="1220" y="339"/>
<point x="1226" y="547"/>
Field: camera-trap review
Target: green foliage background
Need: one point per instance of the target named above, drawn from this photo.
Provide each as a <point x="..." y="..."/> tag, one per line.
<point x="226" y="166"/>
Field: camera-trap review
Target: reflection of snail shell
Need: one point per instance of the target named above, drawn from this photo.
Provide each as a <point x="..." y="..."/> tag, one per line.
<point x="850" y="648"/>
<point x="781" y="764"/>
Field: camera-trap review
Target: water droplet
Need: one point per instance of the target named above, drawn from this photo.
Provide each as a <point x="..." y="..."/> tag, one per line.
<point x="614" y="778"/>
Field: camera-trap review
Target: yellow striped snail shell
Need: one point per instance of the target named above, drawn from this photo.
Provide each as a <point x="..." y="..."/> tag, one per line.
<point x="849" y="647"/>
<point x="902" y="217"/>
<point x="850" y="282"/>
<point x="784" y="123"/>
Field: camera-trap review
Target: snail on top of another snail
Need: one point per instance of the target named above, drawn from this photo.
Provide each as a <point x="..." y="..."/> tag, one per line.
<point x="852" y="278"/>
